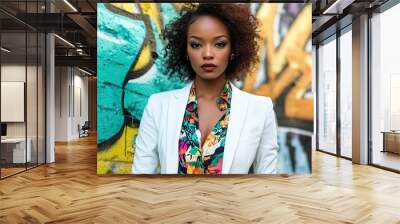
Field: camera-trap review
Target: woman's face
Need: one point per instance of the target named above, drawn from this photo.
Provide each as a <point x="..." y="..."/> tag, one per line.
<point x="208" y="47"/>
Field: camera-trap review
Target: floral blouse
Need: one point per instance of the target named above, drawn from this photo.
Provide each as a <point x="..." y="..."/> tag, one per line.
<point x="193" y="159"/>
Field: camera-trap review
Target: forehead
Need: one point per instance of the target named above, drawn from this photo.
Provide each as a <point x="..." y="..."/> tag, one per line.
<point x="208" y="26"/>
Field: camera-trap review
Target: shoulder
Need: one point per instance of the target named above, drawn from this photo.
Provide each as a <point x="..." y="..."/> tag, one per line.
<point x="163" y="97"/>
<point x="262" y="103"/>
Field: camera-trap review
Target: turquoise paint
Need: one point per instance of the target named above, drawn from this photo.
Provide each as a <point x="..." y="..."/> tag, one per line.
<point x="302" y="163"/>
<point x="168" y="13"/>
<point x="119" y="40"/>
<point x="137" y="92"/>
<point x="284" y="164"/>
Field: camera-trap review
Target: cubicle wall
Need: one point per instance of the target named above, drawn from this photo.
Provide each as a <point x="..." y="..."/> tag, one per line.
<point x="22" y="77"/>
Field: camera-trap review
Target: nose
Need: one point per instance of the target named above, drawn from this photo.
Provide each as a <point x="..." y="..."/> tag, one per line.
<point x="208" y="53"/>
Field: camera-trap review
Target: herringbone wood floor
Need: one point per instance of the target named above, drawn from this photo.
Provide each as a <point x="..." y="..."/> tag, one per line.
<point x="69" y="191"/>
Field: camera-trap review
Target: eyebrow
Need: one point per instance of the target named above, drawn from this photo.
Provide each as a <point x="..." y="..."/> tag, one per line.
<point x="214" y="37"/>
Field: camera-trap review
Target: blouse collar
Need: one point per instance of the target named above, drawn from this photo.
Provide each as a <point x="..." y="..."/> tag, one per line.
<point x="223" y="101"/>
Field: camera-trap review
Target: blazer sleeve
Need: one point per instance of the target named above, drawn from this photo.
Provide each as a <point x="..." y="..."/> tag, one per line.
<point x="145" y="159"/>
<point x="267" y="153"/>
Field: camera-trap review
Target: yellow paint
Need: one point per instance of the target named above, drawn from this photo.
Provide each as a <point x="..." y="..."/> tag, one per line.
<point x="124" y="6"/>
<point x="111" y="167"/>
<point x="290" y="52"/>
<point x="144" y="58"/>
<point x="116" y="152"/>
<point x="179" y="6"/>
<point x="266" y="16"/>
<point x="124" y="168"/>
<point x="104" y="167"/>
<point x="296" y="38"/>
<point x="152" y="10"/>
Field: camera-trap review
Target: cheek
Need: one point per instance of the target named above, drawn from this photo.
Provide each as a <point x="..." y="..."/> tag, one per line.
<point x="192" y="55"/>
<point x="224" y="56"/>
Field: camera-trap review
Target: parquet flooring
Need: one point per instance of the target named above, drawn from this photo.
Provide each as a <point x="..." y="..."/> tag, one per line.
<point x="69" y="191"/>
<point x="9" y="171"/>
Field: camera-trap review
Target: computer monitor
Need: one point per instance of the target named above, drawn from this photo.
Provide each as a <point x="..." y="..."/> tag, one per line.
<point x="3" y="129"/>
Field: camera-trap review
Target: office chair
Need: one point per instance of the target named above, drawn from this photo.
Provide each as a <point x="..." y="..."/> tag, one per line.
<point x="84" y="130"/>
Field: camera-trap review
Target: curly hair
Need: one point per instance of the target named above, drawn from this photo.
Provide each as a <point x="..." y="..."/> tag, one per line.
<point x="243" y="30"/>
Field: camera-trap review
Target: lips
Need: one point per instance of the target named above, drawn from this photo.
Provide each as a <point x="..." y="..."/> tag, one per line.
<point x="208" y="67"/>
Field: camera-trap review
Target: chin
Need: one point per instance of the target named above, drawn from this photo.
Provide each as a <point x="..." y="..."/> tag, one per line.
<point x="209" y="76"/>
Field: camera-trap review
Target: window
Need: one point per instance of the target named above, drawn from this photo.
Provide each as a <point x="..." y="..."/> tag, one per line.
<point x="23" y="77"/>
<point x="327" y="96"/>
<point x="346" y="93"/>
<point x="385" y="89"/>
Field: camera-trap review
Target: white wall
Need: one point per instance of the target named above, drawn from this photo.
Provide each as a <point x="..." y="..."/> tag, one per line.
<point x="16" y="73"/>
<point x="71" y="93"/>
<point x="61" y="103"/>
<point x="80" y="110"/>
<point x="12" y="73"/>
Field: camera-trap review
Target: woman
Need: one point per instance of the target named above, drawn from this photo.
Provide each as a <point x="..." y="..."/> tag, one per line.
<point x="210" y="126"/>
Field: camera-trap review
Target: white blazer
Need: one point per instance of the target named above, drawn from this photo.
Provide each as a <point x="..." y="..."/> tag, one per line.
<point x="251" y="136"/>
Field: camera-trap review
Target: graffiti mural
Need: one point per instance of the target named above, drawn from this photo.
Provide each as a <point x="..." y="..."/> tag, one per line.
<point x="130" y="69"/>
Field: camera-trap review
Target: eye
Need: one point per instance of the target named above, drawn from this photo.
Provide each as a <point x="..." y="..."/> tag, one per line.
<point x="195" y="45"/>
<point x="220" y="44"/>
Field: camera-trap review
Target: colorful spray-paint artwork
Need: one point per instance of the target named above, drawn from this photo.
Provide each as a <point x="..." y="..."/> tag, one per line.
<point x="130" y="68"/>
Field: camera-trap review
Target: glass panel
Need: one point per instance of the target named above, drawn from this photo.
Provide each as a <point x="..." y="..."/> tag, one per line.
<point x="32" y="73"/>
<point x="13" y="86"/>
<point x="23" y="82"/>
<point x="346" y="94"/>
<point x="13" y="93"/>
<point x="31" y="85"/>
<point x="385" y="85"/>
<point x="327" y="97"/>
<point x="41" y="99"/>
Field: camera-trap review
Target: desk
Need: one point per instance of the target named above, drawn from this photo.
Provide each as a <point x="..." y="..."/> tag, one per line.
<point x="16" y="147"/>
<point x="391" y="141"/>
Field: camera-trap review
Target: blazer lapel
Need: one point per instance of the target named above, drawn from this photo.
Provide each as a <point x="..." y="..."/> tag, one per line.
<point x="176" y="111"/>
<point x="236" y="121"/>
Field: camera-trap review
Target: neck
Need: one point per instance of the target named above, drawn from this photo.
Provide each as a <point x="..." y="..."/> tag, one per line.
<point x="209" y="89"/>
